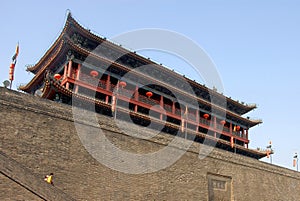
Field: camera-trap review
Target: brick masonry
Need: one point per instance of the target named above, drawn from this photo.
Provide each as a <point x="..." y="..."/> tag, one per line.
<point x="40" y="135"/>
<point x="11" y="190"/>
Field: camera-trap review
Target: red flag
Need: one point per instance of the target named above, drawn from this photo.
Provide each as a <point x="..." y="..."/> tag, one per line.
<point x="14" y="58"/>
<point x="11" y="71"/>
<point x="13" y="64"/>
<point x="294" y="162"/>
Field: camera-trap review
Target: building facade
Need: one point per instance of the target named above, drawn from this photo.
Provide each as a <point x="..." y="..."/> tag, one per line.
<point x="81" y="69"/>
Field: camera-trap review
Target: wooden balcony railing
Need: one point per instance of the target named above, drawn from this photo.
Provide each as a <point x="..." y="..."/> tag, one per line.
<point x="150" y="101"/>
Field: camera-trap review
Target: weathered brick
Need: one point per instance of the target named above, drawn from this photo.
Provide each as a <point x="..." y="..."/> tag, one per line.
<point x="40" y="134"/>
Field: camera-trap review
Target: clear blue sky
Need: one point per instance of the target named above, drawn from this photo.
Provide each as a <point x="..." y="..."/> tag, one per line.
<point x="255" y="45"/>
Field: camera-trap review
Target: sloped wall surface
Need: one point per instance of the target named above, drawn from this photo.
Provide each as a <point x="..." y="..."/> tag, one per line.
<point x="41" y="136"/>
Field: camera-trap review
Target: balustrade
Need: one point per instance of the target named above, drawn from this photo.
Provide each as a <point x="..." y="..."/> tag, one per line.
<point x="226" y="129"/>
<point x="191" y="116"/>
<point x="168" y="107"/>
<point x="126" y="92"/>
<point x="129" y="93"/>
<point x="149" y="101"/>
<point x="204" y="121"/>
<point x="177" y="112"/>
<point x="89" y="79"/>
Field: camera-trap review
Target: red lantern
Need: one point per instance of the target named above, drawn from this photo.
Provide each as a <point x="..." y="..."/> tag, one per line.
<point x="94" y="73"/>
<point x="57" y="76"/>
<point x="122" y="84"/>
<point x="149" y="94"/>
<point x="238" y="128"/>
<point x="223" y="122"/>
<point x="206" y="116"/>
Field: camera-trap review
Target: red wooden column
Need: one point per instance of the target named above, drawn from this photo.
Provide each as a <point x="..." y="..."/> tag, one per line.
<point x="77" y="77"/>
<point x="65" y="71"/>
<point x="230" y="131"/>
<point x="107" y="87"/>
<point x="243" y="133"/>
<point x="108" y="83"/>
<point x="136" y="97"/>
<point x="161" y="105"/>
<point x="173" y="107"/>
<point x="215" y="126"/>
<point x="69" y="73"/>
<point x="197" y="119"/>
<point x="69" y="68"/>
<point x="78" y="72"/>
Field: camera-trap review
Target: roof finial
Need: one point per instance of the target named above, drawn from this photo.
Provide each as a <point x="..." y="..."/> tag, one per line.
<point x="68" y="12"/>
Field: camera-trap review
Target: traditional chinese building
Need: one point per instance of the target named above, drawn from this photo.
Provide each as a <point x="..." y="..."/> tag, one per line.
<point x="83" y="66"/>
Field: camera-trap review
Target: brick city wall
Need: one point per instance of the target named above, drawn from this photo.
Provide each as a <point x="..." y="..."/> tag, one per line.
<point x="40" y="135"/>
